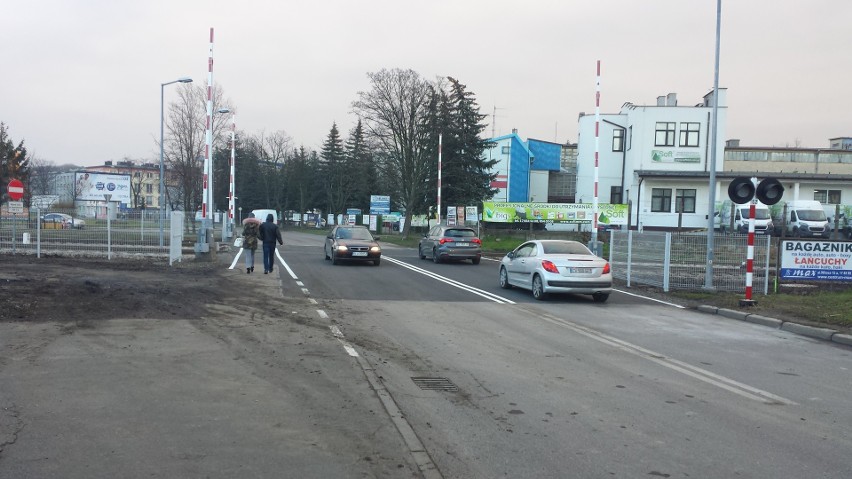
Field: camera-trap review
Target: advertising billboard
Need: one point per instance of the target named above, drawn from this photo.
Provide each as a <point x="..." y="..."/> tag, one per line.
<point x="816" y="260"/>
<point x="582" y="213"/>
<point x="90" y="186"/>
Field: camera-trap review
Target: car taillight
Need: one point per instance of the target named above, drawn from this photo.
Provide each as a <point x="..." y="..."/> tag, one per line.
<point x="606" y="269"/>
<point x="445" y="240"/>
<point x="549" y="266"/>
<point x="477" y="241"/>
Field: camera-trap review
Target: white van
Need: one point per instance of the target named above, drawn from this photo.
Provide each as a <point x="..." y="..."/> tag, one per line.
<point x="262" y="214"/>
<point x="763" y="224"/>
<point x="806" y="219"/>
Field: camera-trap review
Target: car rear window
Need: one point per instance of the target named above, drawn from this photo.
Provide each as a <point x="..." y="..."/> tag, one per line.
<point x="564" y="248"/>
<point x="460" y="233"/>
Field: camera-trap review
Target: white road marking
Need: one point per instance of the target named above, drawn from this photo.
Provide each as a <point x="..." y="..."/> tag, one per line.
<point x="674" y="364"/>
<point x="452" y="282"/>
<point x="237" y="257"/>
<point x="650" y="299"/>
<point x="322" y="314"/>
<point x="286" y="266"/>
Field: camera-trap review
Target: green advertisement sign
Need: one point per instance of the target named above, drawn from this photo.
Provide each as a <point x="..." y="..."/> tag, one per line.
<point x="578" y="213"/>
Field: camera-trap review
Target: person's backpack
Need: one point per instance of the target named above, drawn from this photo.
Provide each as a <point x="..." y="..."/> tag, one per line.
<point x="250" y="233"/>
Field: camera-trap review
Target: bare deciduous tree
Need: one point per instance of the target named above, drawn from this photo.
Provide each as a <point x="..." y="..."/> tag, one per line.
<point x="393" y="113"/>
<point x="185" y="141"/>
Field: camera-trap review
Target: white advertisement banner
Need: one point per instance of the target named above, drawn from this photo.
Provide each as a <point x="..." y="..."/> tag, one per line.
<point x="93" y="186"/>
<point x="816" y="260"/>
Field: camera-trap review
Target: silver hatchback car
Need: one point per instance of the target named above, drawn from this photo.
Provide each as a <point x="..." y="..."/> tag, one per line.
<point x="556" y="266"/>
<point x="451" y="243"/>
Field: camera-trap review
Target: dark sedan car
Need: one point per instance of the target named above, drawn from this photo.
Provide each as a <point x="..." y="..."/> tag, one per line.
<point x="352" y="243"/>
<point x="446" y="243"/>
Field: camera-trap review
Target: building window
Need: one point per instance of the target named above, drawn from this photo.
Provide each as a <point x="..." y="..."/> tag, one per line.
<point x="689" y="133"/>
<point x="136" y="175"/>
<point x="149" y="200"/>
<point x="618" y="140"/>
<point x="506" y="150"/>
<point x="149" y="188"/>
<point x="615" y="195"/>
<point x="685" y="201"/>
<point x="661" y="200"/>
<point x="665" y="135"/>
<point x="831" y="197"/>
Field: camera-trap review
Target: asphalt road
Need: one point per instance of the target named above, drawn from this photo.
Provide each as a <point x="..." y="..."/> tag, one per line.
<point x="571" y="388"/>
<point x="313" y="376"/>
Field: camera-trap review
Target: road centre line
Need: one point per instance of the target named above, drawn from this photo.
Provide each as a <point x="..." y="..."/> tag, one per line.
<point x="452" y="282"/>
<point x="708" y="377"/>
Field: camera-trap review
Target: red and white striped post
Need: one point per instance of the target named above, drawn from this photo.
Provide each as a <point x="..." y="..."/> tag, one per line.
<point x="233" y="153"/>
<point x="597" y="156"/>
<point x="207" y="205"/>
<point x="750" y="254"/>
<point x="440" y="143"/>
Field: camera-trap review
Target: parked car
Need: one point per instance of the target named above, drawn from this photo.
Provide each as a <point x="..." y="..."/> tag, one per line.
<point x="451" y="243"/>
<point x="352" y="243"/>
<point x="63" y="220"/>
<point x="556" y="266"/>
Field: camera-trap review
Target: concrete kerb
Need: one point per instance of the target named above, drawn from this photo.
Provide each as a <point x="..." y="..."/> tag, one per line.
<point x="825" y="334"/>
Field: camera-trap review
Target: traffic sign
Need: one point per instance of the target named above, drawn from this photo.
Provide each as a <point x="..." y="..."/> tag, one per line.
<point x="16" y="190"/>
<point x="16" y="207"/>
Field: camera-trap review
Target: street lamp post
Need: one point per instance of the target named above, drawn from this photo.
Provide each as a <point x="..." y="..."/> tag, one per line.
<point x="162" y="172"/>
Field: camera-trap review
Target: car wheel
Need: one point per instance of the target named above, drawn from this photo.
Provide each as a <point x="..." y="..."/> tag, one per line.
<point x="504" y="278"/>
<point x="435" y="258"/>
<point x="600" y="297"/>
<point x="325" y="252"/>
<point x="538" y="288"/>
<point x="420" y="252"/>
<point x="475" y="260"/>
<point x="377" y="262"/>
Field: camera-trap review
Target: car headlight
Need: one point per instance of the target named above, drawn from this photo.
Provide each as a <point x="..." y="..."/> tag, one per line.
<point x="341" y="247"/>
<point x="375" y="249"/>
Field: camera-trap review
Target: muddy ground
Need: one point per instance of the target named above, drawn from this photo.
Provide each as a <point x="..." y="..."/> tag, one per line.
<point x="79" y="290"/>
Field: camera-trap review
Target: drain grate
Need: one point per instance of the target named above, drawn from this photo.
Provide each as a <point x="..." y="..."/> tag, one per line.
<point x="435" y="384"/>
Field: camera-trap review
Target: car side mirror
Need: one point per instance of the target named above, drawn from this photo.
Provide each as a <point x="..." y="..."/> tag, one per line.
<point x="377" y="238"/>
<point x="510" y="254"/>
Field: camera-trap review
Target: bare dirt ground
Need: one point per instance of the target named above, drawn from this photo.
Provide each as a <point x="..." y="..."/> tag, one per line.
<point x="129" y="368"/>
<point x="75" y="290"/>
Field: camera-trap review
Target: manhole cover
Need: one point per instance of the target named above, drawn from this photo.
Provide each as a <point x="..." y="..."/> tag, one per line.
<point x="435" y="384"/>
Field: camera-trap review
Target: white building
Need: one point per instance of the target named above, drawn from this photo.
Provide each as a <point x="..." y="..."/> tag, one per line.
<point x="656" y="158"/>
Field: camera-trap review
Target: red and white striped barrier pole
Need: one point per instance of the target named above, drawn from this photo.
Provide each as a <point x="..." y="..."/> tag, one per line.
<point x="750" y="254"/>
<point x="233" y="153"/>
<point x="597" y="155"/>
<point x="440" y="143"/>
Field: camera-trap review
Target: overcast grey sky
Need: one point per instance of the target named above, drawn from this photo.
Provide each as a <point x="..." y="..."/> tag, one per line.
<point x="81" y="79"/>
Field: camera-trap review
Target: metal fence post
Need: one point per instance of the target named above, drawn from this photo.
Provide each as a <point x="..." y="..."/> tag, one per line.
<point x="667" y="260"/>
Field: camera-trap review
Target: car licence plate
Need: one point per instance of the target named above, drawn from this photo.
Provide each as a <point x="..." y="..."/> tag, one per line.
<point x="359" y="253"/>
<point x="580" y="270"/>
<point x="462" y="244"/>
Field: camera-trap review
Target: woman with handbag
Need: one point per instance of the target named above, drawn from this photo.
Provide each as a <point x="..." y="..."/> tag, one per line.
<point x="251" y="231"/>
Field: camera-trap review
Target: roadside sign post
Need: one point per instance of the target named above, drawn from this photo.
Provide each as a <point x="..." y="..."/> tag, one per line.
<point x="107" y="197"/>
<point x="16" y="192"/>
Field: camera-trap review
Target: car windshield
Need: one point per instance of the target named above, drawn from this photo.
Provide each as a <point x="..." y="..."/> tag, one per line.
<point x="812" y="215"/>
<point x="355" y="233"/>
<point x="564" y="248"/>
<point x="758" y="214"/>
<point x="460" y="233"/>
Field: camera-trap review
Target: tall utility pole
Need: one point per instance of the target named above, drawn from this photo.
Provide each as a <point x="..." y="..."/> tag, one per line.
<point x="708" y="277"/>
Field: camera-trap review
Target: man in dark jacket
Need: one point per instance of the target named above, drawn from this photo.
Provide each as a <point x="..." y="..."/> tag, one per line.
<point x="269" y="234"/>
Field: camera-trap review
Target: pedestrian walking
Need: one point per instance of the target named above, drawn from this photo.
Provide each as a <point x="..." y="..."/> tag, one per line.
<point x="251" y="232"/>
<point x="269" y="234"/>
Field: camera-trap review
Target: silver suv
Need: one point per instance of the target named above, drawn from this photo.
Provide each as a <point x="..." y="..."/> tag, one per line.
<point x="447" y="243"/>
